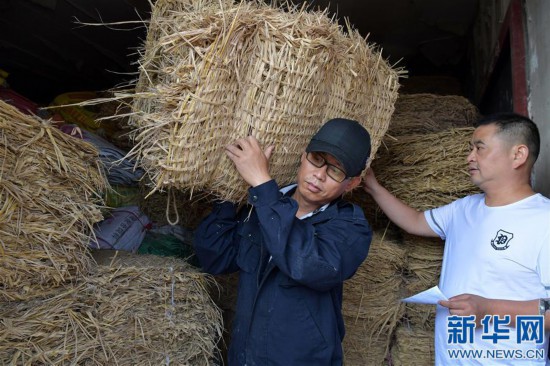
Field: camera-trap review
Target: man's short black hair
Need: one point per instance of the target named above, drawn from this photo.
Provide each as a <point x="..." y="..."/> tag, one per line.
<point x="517" y="128"/>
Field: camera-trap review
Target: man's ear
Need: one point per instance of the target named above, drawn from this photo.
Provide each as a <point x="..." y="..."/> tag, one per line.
<point x="521" y="155"/>
<point x="353" y="183"/>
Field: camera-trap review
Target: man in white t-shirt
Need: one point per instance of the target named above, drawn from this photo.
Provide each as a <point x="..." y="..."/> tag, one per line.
<point x="496" y="263"/>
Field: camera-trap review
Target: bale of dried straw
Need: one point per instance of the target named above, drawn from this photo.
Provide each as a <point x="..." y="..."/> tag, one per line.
<point x="423" y="154"/>
<point x="359" y="351"/>
<point x="428" y="170"/>
<point x="51" y="186"/>
<point x="424" y="257"/>
<point x="374" y="288"/>
<point x="429" y="113"/>
<point x="371" y="299"/>
<point x="214" y="71"/>
<point x="418" y="316"/>
<point x="413" y="347"/>
<point x="135" y="310"/>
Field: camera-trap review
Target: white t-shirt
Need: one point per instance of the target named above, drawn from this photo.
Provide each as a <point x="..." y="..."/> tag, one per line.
<point x="499" y="253"/>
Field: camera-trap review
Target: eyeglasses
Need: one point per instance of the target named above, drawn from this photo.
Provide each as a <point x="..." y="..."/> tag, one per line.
<point x="318" y="161"/>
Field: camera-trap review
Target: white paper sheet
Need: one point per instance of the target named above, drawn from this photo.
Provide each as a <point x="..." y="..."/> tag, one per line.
<point x="430" y="296"/>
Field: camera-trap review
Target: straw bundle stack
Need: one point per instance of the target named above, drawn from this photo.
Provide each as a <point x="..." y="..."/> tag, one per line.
<point x="51" y="186"/>
<point x="359" y="351"/>
<point x="371" y="306"/>
<point x="136" y="310"/>
<point x="424" y="257"/>
<point x="413" y="347"/>
<point x="429" y="170"/>
<point x="214" y="71"/>
<point x="429" y="113"/>
<point x="423" y="158"/>
<point x="420" y="316"/>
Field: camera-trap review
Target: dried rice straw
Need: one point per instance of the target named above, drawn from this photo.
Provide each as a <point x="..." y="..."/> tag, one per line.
<point x="212" y="72"/>
<point x="413" y="347"/>
<point x="429" y="113"/>
<point x="424" y="257"/>
<point x="427" y="171"/>
<point x="359" y="351"/>
<point x="136" y="310"/>
<point x="371" y="296"/>
<point x="51" y="186"/>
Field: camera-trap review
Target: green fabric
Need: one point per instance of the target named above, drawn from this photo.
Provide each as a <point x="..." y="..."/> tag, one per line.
<point x="167" y="246"/>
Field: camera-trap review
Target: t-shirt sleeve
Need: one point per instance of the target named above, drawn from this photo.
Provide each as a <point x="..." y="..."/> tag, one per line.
<point x="543" y="265"/>
<point x="439" y="218"/>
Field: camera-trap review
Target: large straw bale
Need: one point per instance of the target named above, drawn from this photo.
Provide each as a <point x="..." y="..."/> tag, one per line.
<point x="424" y="256"/>
<point x="374" y="289"/>
<point x="428" y="170"/>
<point x="430" y="113"/>
<point x="133" y="310"/>
<point x="413" y="347"/>
<point x="213" y="72"/>
<point x="418" y="316"/>
<point x="51" y="186"/>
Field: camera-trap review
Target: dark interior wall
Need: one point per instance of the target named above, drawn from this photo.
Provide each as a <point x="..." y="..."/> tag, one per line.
<point x="498" y="96"/>
<point x="48" y="51"/>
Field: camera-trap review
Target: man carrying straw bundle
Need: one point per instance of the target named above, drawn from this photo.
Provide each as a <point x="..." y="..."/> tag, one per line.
<point x="294" y="247"/>
<point x="496" y="264"/>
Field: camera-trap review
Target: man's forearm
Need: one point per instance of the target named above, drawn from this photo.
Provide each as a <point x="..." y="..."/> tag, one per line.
<point x="404" y="216"/>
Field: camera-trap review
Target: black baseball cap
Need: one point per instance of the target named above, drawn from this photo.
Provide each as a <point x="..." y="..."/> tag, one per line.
<point x="346" y="140"/>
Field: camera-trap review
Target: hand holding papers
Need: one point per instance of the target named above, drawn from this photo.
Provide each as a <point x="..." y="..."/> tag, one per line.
<point x="430" y="296"/>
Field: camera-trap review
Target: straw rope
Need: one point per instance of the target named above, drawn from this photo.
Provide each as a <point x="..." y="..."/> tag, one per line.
<point x="51" y="186"/>
<point x="174" y="206"/>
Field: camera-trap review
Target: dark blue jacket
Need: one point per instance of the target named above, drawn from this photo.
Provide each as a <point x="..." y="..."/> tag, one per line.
<point x="291" y="275"/>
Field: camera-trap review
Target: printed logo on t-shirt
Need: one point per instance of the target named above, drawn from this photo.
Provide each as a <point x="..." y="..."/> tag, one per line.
<point x="502" y="240"/>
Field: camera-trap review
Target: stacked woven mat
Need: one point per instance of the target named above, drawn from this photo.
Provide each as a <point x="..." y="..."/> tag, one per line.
<point x="215" y="71"/>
